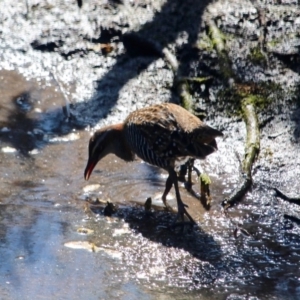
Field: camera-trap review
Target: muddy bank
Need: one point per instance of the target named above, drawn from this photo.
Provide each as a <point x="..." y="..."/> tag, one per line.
<point x="67" y="70"/>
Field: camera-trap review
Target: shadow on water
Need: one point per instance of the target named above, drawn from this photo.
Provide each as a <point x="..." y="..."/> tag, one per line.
<point x="162" y="30"/>
<point x="157" y="227"/>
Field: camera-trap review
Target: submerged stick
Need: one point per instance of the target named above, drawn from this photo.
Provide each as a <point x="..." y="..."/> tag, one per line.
<point x="252" y="143"/>
<point x="205" y="196"/>
<point x="281" y="195"/>
<point x="292" y="218"/>
<point x="253" y="140"/>
<point x="251" y="151"/>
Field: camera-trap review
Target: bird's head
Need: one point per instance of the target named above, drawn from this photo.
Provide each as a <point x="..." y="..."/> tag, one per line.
<point x="100" y="145"/>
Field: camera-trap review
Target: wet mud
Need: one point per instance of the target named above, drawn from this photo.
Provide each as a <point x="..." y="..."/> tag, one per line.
<point x="56" y="241"/>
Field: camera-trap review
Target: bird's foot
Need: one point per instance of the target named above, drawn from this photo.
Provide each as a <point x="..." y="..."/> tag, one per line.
<point x="188" y="185"/>
<point x="169" y="208"/>
<point x="181" y="212"/>
<point x="181" y="178"/>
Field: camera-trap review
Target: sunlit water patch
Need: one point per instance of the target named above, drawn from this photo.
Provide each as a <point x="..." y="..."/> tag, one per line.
<point x="56" y="243"/>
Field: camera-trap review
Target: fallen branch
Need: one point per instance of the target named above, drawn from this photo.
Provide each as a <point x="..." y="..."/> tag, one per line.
<point x="292" y="218"/>
<point x="182" y="85"/>
<point x="218" y="41"/>
<point x="171" y="59"/>
<point x="205" y="196"/>
<point x="281" y="195"/>
<point x="251" y="151"/>
<point x="198" y="80"/>
<point x="185" y="96"/>
<point x="216" y="36"/>
<point x="249" y="115"/>
<point x="253" y="140"/>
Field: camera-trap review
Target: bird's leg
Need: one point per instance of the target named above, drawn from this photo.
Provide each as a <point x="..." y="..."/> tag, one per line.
<point x="169" y="184"/>
<point x="197" y="171"/>
<point x="181" y="206"/>
<point x="182" y="172"/>
<point x="189" y="183"/>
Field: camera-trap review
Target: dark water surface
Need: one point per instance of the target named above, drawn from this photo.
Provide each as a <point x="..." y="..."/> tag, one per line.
<point x="54" y="245"/>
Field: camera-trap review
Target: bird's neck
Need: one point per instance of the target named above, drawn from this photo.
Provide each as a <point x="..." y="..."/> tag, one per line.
<point x="120" y="145"/>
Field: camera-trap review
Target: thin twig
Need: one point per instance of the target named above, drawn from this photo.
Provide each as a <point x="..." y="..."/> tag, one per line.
<point x="66" y="108"/>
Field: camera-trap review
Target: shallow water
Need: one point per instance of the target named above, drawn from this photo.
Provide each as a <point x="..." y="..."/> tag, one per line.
<point x="56" y="245"/>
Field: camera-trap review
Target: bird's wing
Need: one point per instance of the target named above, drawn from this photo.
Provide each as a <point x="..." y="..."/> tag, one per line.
<point x="163" y="137"/>
<point x="162" y="134"/>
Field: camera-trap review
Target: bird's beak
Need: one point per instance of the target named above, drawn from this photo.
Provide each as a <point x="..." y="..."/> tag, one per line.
<point x="89" y="168"/>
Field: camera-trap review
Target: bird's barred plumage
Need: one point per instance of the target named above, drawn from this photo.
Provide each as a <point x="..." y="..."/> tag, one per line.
<point x="139" y="144"/>
<point x="164" y="133"/>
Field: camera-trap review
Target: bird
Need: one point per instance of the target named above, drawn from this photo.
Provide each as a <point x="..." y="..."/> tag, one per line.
<point x="164" y="135"/>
